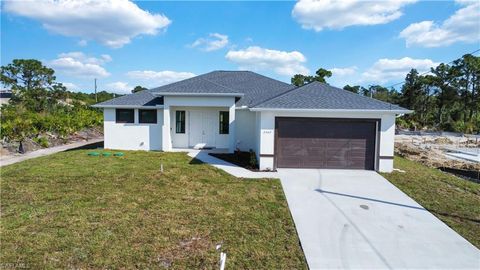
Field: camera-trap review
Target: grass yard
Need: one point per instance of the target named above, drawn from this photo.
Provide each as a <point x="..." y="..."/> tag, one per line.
<point x="453" y="200"/>
<point x="70" y="210"/>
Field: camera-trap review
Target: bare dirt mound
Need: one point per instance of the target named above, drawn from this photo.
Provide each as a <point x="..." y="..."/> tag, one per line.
<point x="430" y="150"/>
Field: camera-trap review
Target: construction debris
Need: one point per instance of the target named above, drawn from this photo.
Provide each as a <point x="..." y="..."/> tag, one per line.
<point x="431" y="150"/>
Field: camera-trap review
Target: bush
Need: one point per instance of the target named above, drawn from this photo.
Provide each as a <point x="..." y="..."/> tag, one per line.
<point x="449" y="126"/>
<point x="402" y="123"/>
<point x="253" y="159"/>
<point x="18" y="122"/>
<point x="42" y="141"/>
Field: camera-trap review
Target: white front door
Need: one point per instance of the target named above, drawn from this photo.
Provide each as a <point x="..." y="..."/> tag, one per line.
<point x="202" y="129"/>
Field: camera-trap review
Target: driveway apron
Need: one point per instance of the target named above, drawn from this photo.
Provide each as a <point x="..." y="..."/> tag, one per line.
<point x="354" y="219"/>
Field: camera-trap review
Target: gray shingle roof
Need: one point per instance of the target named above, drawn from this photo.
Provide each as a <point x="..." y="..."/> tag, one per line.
<point x="257" y="91"/>
<point x="197" y="84"/>
<point x="142" y="98"/>
<point x="252" y="88"/>
<point x="318" y="95"/>
<point x="255" y="87"/>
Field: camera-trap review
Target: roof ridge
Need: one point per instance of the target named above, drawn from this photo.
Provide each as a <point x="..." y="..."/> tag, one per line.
<point x="279" y="95"/>
<point x="224" y="70"/>
<point x="249" y="71"/>
<point x="174" y="83"/>
<point x="272" y="79"/>
<point x="254" y="73"/>
<point x="229" y="88"/>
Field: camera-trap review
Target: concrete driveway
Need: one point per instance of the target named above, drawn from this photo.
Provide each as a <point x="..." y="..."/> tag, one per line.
<point x="358" y="220"/>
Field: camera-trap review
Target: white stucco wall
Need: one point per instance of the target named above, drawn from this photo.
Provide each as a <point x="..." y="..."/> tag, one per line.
<point x="245" y="129"/>
<point x="179" y="140"/>
<point x="387" y="141"/>
<point x="266" y="133"/>
<point x="215" y="103"/>
<point x="257" y="134"/>
<point x="133" y="136"/>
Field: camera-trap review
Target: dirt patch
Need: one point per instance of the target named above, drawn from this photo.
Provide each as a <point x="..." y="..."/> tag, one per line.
<point x="429" y="150"/>
<point x="46" y="140"/>
<point x="442" y="141"/>
<point x="201" y="246"/>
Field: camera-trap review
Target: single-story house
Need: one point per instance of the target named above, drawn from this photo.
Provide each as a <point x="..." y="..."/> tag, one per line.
<point x="311" y="126"/>
<point x="5" y="96"/>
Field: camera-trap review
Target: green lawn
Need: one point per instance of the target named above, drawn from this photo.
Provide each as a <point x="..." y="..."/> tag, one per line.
<point x="454" y="200"/>
<point x="70" y="210"/>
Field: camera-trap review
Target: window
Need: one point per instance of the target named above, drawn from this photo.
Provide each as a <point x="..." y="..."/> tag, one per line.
<point x="125" y="115"/>
<point x="224" y="122"/>
<point x="147" y="116"/>
<point x="180" y="121"/>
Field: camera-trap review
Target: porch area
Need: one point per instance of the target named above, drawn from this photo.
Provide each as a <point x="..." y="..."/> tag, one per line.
<point x="198" y="124"/>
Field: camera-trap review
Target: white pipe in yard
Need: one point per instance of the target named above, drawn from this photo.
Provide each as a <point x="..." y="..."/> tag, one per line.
<point x="223" y="259"/>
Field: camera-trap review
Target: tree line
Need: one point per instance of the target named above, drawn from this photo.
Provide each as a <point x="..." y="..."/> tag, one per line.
<point x="447" y="98"/>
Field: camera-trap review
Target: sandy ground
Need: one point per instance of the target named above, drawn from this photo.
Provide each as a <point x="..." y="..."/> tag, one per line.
<point x="430" y="150"/>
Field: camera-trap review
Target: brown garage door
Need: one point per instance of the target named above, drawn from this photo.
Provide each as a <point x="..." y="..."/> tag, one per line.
<point x="325" y="143"/>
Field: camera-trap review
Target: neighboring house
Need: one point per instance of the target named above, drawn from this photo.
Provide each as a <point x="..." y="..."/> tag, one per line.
<point x="5" y="96"/>
<point x="312" y="126"/>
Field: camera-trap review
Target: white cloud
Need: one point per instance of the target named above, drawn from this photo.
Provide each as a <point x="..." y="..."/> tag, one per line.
<point x="338" y="14"/>
<point x="82" y="43"/>
<point x="340" y="76"/>
<point x="462" y="26"/>
<point x="71" y="86"/>
<point x="79" y="65"/>
<point x="385" y="70"/>
<point x="342" y="72"/>
<point x="213" y="42"/>
<point x="157" y="78"/>
<point x="110" y="22"/>
<point x="281" y="62"/>
<point x="80" y="56"/>
<point x="119" y="88"/>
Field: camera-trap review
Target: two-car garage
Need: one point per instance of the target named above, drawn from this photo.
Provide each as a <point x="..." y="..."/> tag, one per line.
<point x="326" y="143"/>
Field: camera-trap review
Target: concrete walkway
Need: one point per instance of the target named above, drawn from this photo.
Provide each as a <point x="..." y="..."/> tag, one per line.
<point x="4" y="161"/>
<point x="348" y="219"/>
<point x="230" y="168"/>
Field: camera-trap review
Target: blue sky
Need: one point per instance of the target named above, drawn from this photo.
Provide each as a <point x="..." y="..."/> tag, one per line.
<point x="151" y="43"/>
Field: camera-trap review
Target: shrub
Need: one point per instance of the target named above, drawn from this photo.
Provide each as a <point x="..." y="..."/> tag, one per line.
<point x="18" y="123"/>
<point x="42" y="141"/>
<point x="402" y="123"/>
<point x="253" y="159"/>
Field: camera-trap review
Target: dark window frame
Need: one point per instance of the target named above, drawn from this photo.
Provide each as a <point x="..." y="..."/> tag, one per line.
<point x="142" y="121"/>
<point x="224" y="122"/>
<point x="180" y="122"/>
<point x="131" y="119"/>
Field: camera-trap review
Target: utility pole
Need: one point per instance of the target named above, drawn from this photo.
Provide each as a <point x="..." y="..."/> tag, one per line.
<point x="96" y="99"/>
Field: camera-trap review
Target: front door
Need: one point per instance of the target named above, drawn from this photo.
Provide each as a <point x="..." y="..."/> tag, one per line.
<point x="202" y="129"/>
